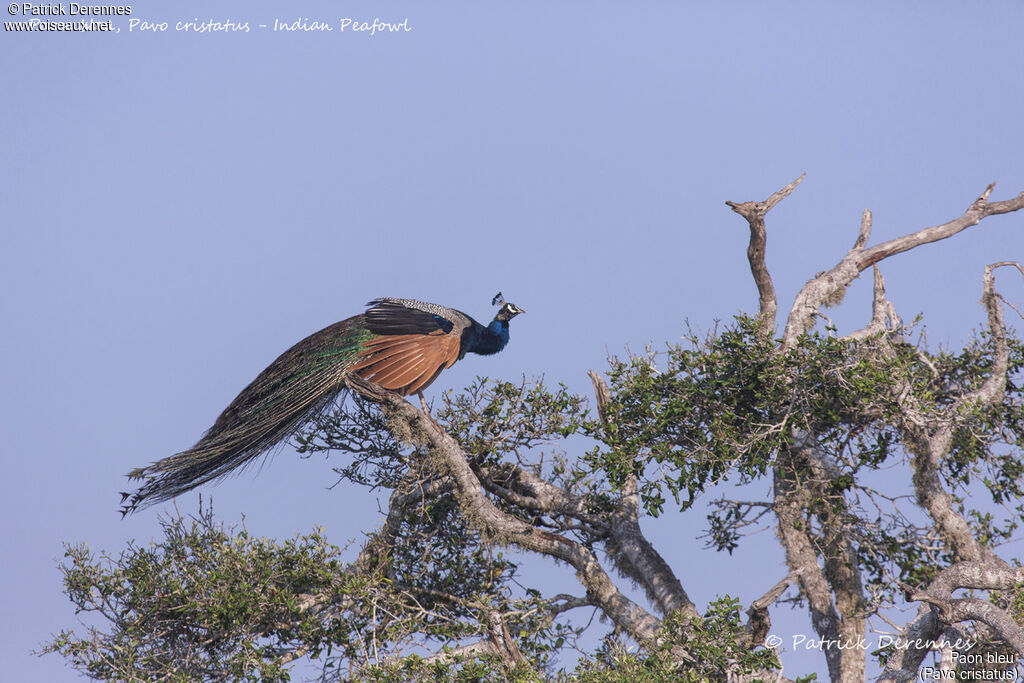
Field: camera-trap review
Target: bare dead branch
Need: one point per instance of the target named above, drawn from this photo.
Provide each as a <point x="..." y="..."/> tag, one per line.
<point x="865" y="230"/>
<point x="821" y="287"/>
<point x="602" y="394"/>
<point x="991" y="392"/>
<point x="567" y="602"/>
<point x="773" y="593"/>
<point x="759" y="621"/>
<point x="883" y="312"/>
<point x="754" y="213"/>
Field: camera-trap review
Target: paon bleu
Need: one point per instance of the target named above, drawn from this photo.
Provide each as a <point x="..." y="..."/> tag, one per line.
<point x="400" y="344"/>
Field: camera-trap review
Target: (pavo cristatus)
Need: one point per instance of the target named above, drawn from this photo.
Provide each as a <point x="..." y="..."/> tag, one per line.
<point x="400" y="344"/>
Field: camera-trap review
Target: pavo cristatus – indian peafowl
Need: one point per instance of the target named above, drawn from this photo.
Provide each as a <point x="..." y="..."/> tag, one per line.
<point x="400" y="344"/>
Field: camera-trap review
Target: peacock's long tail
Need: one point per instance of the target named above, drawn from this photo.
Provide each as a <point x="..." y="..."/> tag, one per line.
<point x="303" y="380"/>
<point x="402" y="345"/>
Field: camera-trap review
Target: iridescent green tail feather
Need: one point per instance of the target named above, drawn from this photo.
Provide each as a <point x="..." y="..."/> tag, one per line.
<point x="302" y="381"/>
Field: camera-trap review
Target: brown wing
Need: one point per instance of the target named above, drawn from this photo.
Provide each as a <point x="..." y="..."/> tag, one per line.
<point x="406" y="363"/>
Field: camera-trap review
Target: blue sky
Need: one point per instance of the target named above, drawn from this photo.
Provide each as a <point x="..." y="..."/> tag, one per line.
<point x="180" y="208"/>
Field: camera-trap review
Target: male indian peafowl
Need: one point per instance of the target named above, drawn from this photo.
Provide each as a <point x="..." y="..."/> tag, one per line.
<point x="400" y="344"/>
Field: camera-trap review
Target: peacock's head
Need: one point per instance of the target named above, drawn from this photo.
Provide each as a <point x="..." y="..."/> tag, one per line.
<point x="508" y="310"/>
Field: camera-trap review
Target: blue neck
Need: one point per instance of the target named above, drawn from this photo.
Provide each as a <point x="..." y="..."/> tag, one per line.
<point x="485" y="340"/>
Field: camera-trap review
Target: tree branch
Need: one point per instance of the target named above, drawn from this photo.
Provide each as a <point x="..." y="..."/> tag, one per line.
<point x="759" y="621"/>
<point x="903" y="664"/>
<point x="501" y="639"/>
<point x="568" y="602"/>
<point x="411" y="492"/>
<point x="480" y="513"/>
<point x="929" y="440"/>
<point x="791" y="499"/>
<point x="632" y="553"/>
<point x="883" y="313"/>
<point x="943" y="609"/>
<point x="754" y="213"/>
<point x="823" y="286"/>
<point x="526" y="490"/>
<point x="991" y="392"/>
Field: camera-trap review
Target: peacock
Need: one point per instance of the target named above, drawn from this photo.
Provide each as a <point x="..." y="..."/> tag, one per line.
<point x="400" y="344"/>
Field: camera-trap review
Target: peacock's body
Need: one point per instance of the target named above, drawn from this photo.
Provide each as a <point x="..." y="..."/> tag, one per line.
<point x="400" y="344"/>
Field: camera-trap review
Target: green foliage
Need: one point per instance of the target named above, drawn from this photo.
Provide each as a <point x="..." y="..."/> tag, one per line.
<point x="496" y="419"/>
<point x="988" y="440"/>
<point x="715" y="646"/>
<point x="480" y="669"/>
<point x="727" y="404"/>
<point x="204" y="603"/>
<point x="360" y="429"/>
